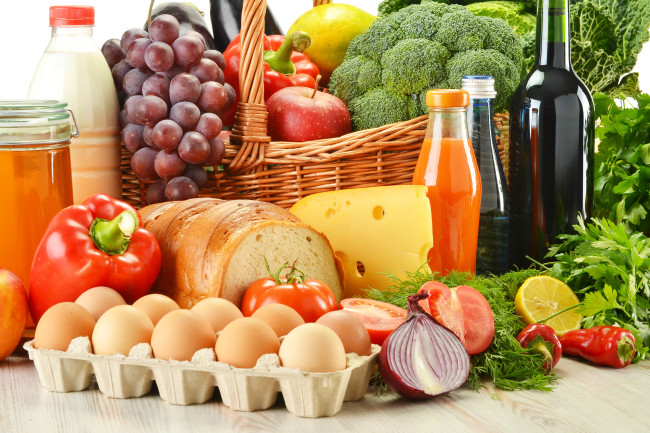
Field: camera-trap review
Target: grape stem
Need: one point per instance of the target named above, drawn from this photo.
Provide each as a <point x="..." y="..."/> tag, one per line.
<point x="150" y="11"/>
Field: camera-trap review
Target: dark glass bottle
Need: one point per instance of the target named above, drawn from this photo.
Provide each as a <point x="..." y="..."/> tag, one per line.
<point x="492" y="251"/>
<point x="551" y="142"/>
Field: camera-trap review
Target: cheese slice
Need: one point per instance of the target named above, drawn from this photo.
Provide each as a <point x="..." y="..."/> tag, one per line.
<point x="373" y="231"/>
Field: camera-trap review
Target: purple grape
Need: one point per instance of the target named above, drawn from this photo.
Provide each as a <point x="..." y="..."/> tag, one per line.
<point x="194" y="148"/>
<point x="156" y="192"/>
<point x="197" y="35"/>
<point x="131" y="35"/>
<point x="216" y="57"/>
<point x="157" y="85"/>
<point x="167" y="135"/>
<point x="133" y="81"/>
<point x="173" y="71"/>
<point x="147" y="135"/>
<point x="217" y="152"/>
<point x="112" y="52"/>
<point x="181" y="188"/>
<point x="188" y="51"/>
<point x="159" y="56"/>
<point x="213" y="97"/>
<point x="206" y="70"/>
<point x="129" y="107"/>
<point x="164" y="28"/>
<point x="184" y="87"/>
<point x="118" y="71"/>
<point x="135" y="52"/>
<point x="132" y="137"/>
<point x="143" y="163"/>
<point x="197" y="174"/>
<point x="209" y="125"/>
<point x="123" y="119"/>
<point x="186" y="114"/>
<point x="149" y="110"/>
<point x="169" y="165"/>
<point x="232" y="95"/>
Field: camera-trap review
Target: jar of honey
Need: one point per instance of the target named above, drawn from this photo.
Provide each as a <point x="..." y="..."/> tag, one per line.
<point x="35" y="176"/>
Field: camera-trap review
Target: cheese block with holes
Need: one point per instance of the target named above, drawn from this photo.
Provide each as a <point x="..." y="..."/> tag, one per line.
<point x="216" y="248"/>
<point x="373" y="231"/>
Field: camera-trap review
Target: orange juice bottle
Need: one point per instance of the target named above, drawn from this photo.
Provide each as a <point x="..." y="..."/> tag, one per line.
<point x="447" y="166"/>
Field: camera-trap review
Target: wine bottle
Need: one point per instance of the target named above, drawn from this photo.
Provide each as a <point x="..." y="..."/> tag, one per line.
<point x="551" y="142"/>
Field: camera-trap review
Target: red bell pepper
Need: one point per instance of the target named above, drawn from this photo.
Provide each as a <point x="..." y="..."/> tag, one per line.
<point x="284" y="66"/>
<point x="602" y="345"/>
<point x="543" y="339"/>
<point x="98" y="243"/>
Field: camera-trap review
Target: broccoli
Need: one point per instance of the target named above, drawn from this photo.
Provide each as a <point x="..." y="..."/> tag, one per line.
<point x="414" y="106"/>
<point x="387" y="7"/>
<point x="354" y="77"/>
<point x="412" y="64"/>
<point x="380" y="36"/>
<point x="378" y="107"/>
<point x="529" y="44"/>
<point x="461" y="31"/>
<point x="502" y="38"/>
<point x="486" y="62"/>
<point x="417" y="22"/>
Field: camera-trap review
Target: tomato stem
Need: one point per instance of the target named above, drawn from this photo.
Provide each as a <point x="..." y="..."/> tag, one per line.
<point x="290" y="277"/>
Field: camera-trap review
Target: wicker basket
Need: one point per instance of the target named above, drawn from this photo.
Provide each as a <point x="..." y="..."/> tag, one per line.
<point x="257" y="168"/>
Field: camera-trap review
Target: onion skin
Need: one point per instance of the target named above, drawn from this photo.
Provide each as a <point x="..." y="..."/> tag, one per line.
<point x="396" y="381"/>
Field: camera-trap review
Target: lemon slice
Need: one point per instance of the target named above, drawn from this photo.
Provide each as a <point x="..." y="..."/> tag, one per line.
<point x="542" y="296"/>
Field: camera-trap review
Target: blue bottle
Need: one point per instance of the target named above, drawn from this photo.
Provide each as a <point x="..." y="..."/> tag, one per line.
<point x="493" y="232"/>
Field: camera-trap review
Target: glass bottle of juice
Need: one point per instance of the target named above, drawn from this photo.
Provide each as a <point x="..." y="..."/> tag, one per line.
<point x="72" y="69"/>
<point x="447" y="166"/>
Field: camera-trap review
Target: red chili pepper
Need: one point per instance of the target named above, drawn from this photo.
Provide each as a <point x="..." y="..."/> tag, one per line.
<point x="98" y="243"/>
<point x="602" y="345"/>
<point x="284" y="66"/>
<point x="544" y="340"/>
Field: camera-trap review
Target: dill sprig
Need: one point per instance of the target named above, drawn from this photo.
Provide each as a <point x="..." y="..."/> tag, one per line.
<point x="505" y="362"/>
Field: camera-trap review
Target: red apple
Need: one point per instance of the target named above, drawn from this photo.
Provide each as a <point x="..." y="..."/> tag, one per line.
<point x="299" y="114"/>
<point x="13" y="312"/>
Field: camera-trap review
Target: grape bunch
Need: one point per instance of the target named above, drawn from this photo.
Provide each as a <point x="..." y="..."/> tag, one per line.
<point x="172" y="95"/>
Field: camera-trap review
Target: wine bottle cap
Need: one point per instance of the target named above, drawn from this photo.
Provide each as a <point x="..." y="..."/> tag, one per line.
<point x="479" y="86"/>
<point x="72" y="16"/>
<point x="447" y="98"/>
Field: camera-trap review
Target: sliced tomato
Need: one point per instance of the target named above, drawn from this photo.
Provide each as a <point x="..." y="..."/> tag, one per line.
<point x="464" y="311"/>
<point x="379" y="318"/>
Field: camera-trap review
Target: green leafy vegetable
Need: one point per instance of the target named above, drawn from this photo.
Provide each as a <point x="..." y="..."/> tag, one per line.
<point x="505" y="362"/>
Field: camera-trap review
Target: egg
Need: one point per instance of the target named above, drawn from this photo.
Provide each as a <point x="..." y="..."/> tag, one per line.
<point x="156" y="306"/>
<point x="350" y="330"/>
<point x="99" y="299"/>
<point x="244" y="340"/>
<point x="218" y="311"/>
<point x="179" y="334"/>
<point x="314" y="348"/>
<point x="61" y="324"/>
<point x="280" y="317"/>
<point x="119" y="329"/>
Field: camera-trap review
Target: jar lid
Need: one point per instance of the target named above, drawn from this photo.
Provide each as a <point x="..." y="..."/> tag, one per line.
<point x="72" y="16"/>
<point x="479" y="86"/>
<point x="34" y="121"/>
<point x="446" y="98"/>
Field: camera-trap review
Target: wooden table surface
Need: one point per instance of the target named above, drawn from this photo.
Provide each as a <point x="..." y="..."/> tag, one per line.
<point x="587" y="398"/>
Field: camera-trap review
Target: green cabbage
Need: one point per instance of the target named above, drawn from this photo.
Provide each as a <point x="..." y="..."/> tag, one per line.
<point x="514" y="13"/>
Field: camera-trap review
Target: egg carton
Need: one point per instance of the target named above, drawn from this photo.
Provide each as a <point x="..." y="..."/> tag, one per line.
<point x="305" y="394"/>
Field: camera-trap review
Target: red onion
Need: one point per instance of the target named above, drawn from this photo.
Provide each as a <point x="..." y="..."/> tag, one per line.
<point x="422" y="358"/>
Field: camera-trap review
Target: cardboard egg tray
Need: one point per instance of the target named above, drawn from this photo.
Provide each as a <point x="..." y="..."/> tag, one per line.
<point x="305" y="394"/>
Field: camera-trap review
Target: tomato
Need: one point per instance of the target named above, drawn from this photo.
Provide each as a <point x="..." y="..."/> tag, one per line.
<point x="379" y="318"/>
<point x="310" y="298"/>
<point x="464" y="311"/>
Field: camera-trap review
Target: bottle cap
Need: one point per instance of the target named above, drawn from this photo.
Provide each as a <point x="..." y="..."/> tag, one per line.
<point x="447" y="98"/>
<point x="72" y="16"/>
<point x="479" y="86"/>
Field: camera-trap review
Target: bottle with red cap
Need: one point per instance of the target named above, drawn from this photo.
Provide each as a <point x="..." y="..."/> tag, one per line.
<point x="72" y="69"/>
<point x="447" y="167"/>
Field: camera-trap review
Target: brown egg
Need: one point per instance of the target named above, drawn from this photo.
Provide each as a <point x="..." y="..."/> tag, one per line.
<point x="280" y="317"/>
<point x="156" y="306"/>
<point x="119" y="329"/>
<point x="99" y="299"/>
<point x="219" y="312"/>
<point x="244" y="340"/>
<point x="314" y="348"/>
<point x="179" y="334"/>
<point x="62" y="323"/>
<point x="350" y="330"/>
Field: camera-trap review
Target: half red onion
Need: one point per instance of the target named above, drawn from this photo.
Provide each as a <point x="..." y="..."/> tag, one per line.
<point x="421" y="358"/>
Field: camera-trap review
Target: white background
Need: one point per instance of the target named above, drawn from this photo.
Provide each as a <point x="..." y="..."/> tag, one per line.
<point x="25" y="32"/>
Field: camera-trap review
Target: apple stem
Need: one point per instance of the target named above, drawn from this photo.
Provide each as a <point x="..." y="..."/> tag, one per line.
<point x="318" y="77"/>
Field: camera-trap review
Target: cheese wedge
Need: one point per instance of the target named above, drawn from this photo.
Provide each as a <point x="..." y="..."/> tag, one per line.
<point x="373" y="231"/>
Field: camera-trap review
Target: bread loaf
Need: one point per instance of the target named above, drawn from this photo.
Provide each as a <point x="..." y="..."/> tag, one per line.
<point x="213" y="247"/>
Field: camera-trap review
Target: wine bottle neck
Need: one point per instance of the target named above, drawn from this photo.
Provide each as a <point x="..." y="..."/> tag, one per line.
<point x="553" y="34"/>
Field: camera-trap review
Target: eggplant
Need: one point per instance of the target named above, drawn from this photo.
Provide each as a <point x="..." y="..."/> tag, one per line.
<point x="189" y="17"/>
<point x="226" y="21"/>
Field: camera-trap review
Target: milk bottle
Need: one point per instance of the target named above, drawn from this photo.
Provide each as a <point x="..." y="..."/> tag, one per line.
<point x="73" y="69"/>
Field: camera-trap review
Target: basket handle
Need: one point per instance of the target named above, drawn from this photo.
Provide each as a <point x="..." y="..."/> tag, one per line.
<point x="250" y="127"/>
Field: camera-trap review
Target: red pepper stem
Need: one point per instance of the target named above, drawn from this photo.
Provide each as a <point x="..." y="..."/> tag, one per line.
<point x="625" y="349"/>
<point x="280" y="60"/>
<point x="113" y="237"/>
